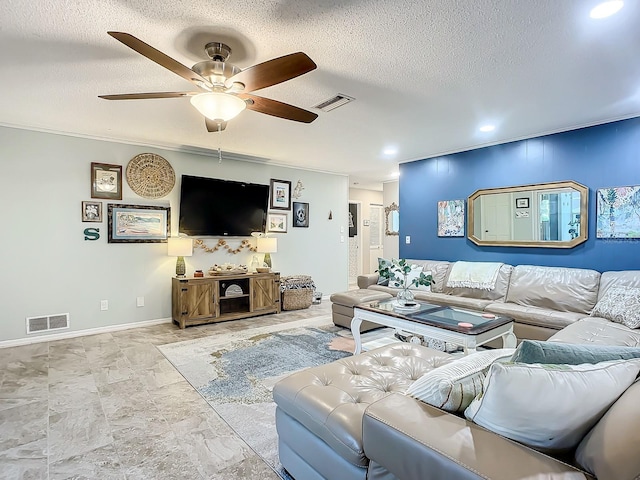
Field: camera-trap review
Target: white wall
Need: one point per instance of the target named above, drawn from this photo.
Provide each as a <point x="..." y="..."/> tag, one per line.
<point x="390" y="194"/>
<point x="49" y="268"/>
<point x="366" y="198"/>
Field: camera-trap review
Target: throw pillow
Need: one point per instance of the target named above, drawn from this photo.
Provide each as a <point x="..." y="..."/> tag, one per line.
<point x="414" y="273"/>
<point x="620" y="305"/>
<point x="453" y="386"/>
<point x="535" y="351"/>
<point x="549" y="407"/>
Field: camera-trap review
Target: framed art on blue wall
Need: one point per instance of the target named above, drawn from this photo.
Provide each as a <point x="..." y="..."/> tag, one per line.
<point x="618" y="212"/>
<point x="451" y="218"/>
<point x="138" y="223"/>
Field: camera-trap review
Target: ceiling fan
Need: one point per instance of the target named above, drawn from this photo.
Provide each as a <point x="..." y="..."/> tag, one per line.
<point x="224" y="88"/>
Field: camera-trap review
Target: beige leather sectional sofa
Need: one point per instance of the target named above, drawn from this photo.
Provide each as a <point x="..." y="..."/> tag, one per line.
<point x="350" y="419"/>
<point x="541" y="300"/>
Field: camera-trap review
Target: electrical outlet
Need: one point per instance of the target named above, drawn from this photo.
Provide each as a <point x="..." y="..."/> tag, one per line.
<point x="139" y="301"/>
<point x="341" y="238"/>
<point x="104" y="305"/>
<point x="407" y="239"/>
<point x="341" y="229"/>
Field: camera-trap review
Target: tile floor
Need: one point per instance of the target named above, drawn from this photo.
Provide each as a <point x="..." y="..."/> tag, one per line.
<point x="110" y="406"/>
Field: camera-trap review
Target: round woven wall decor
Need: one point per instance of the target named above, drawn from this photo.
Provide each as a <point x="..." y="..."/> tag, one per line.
<point x="150" y="176"/>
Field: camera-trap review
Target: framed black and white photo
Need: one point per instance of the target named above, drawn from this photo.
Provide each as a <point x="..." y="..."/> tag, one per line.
<point x="91" y="211"/>
<point x="300" y="214"/>
<point x="280" y="195"/>
<point x="522" y="202"/>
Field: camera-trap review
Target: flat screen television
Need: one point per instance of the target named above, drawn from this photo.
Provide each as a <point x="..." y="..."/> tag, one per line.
<point x="214" y="207"/>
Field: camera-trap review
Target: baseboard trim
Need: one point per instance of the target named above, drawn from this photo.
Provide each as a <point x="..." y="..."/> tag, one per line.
<point x="81" y="333"/>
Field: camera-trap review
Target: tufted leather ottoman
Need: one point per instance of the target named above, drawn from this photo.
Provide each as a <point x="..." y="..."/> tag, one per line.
<point x="342" y="306"/>
<point x="319" y="410"/>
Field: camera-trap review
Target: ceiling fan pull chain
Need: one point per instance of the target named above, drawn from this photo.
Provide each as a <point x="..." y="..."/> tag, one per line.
<point x="220" y="141"/>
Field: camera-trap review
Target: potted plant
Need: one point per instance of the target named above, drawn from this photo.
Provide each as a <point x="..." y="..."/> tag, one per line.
<point x="397" y="272"/>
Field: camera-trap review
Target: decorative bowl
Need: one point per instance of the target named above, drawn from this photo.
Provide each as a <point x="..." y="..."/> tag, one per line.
<point x="263" y="269"/>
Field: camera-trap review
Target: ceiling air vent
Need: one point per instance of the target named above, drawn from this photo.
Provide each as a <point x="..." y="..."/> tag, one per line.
<point x="334" y="102"/>
<point x="46" y="323"/>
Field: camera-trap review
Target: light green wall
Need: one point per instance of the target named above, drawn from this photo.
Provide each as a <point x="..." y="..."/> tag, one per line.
<point x="49" y="268"/>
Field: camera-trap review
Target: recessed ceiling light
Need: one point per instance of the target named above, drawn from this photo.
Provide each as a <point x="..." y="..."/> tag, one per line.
<point x="487" y="128"/>
<point x="606" y="9"/>
<point x="390" y="151"/>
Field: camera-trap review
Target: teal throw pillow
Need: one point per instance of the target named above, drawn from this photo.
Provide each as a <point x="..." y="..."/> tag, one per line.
<point x="534" y="351"/>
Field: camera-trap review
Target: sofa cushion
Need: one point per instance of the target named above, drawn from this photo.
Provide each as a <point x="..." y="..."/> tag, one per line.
<point x="497" y="293"/>
<point x="625" y="278"/>
<point x="352" y="298"/>
<point x="555" y="288"/>
<point x="533" y="351"/>
<point x="610" y="449"/>
<point x="453" y="386"/>
<point x="620" y="305"/>
<point x="549" y="407"/>
<point x="538" y="316"/>
<point x="330" y="400"/>
<point x="598" y="331"/>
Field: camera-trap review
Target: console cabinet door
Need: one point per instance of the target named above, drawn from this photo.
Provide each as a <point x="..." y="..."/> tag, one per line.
<point x="264" y="294"/>
<point x="197" y="300"/>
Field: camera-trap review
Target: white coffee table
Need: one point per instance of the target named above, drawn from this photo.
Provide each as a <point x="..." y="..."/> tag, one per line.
<point x="435" y="321"/>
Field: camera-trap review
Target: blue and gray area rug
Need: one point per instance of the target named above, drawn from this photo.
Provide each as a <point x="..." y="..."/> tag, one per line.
<point x="235" y="372"/>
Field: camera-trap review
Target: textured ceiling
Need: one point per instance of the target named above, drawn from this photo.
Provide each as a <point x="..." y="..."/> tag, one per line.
<point x="425" y="75"/>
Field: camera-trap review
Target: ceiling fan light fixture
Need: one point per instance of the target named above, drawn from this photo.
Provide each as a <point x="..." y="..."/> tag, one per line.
<point x="218" y="106"/>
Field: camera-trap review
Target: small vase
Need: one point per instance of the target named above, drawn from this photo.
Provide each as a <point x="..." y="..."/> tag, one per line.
<point x="405" y="296"/>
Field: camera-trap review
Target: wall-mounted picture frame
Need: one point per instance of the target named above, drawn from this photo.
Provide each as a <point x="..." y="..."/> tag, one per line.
<point x="451" y="218"/>
<point x="277" y="222"/>
<point x="522" y="202"/>
<point x="618" y="212"/>
<point x="106" y="181"/>
<point x="91" y="211"/>
<point x="138" y="223"/>
<point x="300" y="214"/>
<point x="280" y="194"/>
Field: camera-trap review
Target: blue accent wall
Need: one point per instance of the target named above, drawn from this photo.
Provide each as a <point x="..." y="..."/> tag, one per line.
<point x="598" y="157"/>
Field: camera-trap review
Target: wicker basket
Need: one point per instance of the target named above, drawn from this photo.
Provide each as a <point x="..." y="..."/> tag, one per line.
<point x="297" y="292"/>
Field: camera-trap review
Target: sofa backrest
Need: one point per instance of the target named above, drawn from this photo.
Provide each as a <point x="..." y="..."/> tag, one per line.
<point x="439" y="271"/>
<point x="498" y="293"/>
<point x="556" y="288"/>
<point x="625" y="278"/>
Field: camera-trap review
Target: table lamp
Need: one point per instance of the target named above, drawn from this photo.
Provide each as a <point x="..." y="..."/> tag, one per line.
<point x="180" y="247"/>
<point x="267" y="245"/>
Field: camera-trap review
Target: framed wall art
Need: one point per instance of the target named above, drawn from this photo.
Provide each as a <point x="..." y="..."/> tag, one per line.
<point x="522" y="202"/>
<point x="451" y="218"/>
<point x="300" y="214"/>
<point x="618" y="212"/>
<point x="138" y="223"/>
<point x="91" y="211"/>
<point x="277" y="222"/>
<point x="280" y="195"/>
<point x="106" y="181"/>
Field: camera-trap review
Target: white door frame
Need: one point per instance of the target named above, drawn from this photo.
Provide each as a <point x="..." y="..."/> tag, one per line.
<point x="359" y="236"/>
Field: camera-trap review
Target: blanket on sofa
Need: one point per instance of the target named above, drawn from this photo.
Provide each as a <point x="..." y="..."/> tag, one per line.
<point x="478" y="275"/>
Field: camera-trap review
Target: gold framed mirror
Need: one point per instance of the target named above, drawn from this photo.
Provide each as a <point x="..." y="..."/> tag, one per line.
<point x="392" y="219"/>
<point x="548" y="215"/>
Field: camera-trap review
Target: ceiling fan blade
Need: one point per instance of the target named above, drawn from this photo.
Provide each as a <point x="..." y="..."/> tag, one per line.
<point x="213" y="126"/>
<point x="161" y="59"/>
<point x="141" y="96"/>
<point x="273" y="72"/>
<point x="278" y="109"/>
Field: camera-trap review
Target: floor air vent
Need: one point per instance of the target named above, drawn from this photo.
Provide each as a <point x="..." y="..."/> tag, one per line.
<point x="334" y="102"/>
<point x="46" y="323"/>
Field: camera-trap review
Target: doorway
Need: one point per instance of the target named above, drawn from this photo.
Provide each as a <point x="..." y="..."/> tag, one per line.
<point x="355" y="242"/>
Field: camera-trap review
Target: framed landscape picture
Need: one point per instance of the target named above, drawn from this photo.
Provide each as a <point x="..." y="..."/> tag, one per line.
<point x="618" y="212"/>
<point x="138" y="223"/>
<point x="91" y="211"/>
<point x="277" y="222"/>
<point x="280" y="195"/>
<point x="300" y="214"/>
<point x="106" y="181"/>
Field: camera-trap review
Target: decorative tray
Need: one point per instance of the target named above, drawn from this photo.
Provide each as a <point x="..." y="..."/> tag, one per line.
<point x="226" y="272"/>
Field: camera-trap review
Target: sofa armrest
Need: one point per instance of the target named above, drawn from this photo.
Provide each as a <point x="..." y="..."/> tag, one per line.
<point x="414" y="440"/>
<point x="365" y="280"/>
